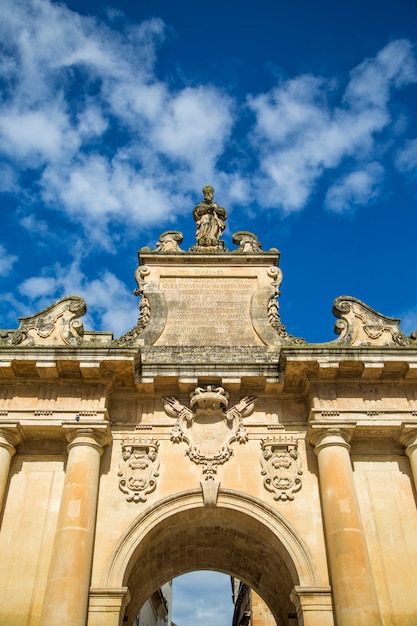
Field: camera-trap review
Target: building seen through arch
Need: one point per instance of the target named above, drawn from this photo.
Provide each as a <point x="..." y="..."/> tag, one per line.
<point x="208" y="437"/>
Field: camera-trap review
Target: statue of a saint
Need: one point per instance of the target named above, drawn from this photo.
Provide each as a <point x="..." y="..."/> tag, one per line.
<point x="210" y="220"/>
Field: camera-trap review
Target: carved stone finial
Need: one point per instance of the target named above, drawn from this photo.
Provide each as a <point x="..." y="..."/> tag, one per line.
<point x="248" y="242"/>
<point x="169" y="241"/>
<point x="210" y="222"/>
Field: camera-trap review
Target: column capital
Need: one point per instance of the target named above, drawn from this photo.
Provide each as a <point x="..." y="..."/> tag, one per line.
<point x="408" y="436"/>
<point x="108" y="599"/>
<point x="95" y="434"/>
<point x="311" y="599"/>
<point x="11" y="434"/>
<point x="324" y="434"/>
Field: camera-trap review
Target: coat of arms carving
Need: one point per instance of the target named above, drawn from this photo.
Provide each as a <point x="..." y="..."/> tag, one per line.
<point x="208" y="426"/>
<point x="281" y="467"/>
<point x="138" y="468"/>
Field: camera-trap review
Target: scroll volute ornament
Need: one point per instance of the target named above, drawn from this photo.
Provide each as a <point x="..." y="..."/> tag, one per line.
<point x="281" y="467"/>
<point x="58" y="324"/>
<point x="359" y="325"/>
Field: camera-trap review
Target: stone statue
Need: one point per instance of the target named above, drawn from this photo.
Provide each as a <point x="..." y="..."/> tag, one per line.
<point x="210" y="220"/>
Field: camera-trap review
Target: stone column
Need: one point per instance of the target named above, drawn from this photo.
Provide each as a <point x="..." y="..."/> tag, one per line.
<point x="354" y="596"/>
<point x="68" y="583"/>
<point x="408" y="438"/>
<point x="10" y="437"/>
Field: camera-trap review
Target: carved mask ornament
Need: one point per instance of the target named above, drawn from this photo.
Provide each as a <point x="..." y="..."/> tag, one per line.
<point x="208" y="426"/>
<point x="281" y="467"/>
<point x="138" y="468"/>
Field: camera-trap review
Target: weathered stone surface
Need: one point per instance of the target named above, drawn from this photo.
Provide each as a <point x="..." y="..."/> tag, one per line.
<point x="126" y="463"/>
<point x="59" y="324"/>
<point x="359" y="325"/>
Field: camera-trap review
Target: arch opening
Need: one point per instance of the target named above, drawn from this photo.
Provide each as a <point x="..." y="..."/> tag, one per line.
<point x="241" y="539"/>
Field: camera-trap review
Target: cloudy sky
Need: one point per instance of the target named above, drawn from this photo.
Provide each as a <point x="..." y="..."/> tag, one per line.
<point x="302" y="115"/>
<point x="202" y="598"/>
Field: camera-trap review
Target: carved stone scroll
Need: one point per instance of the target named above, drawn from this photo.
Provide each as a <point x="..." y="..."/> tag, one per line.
<point x="57" y="325"/>
<point x="359" y="325"/>
<point x="248" y="242"/>
<point x="208" y="427"/>
<point x="138" y="468"/>
<point x="152" y="312"/>
<point x="281" y="467"/>
<point x="169" y="241"/>
<point x="265" y="315"/>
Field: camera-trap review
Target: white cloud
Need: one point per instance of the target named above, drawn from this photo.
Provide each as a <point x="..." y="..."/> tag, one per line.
<point x="72" y="84"/>
<point x="409" y="321"/>
<point x="7" y="261"/>
<point x="40" y="134"/>
<point x="406" y="160"/>
<point x="298" y="135"/>
<point x="370" y="83"/>
<point x="111" y="306"/>
<point x="202" y="596"/>
<point x="355" y="189"/>
<point x="70" y="81"/>
<point x="8" y="179"/>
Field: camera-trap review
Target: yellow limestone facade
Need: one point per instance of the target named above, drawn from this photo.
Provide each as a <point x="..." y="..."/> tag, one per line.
<point x="208" y="438"/>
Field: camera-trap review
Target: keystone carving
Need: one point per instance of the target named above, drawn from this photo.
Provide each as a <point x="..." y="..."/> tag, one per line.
<point x="281" y="467"/>
<point x="57" y="325"/>
<point x="208" y="426"/>
<point x="359" y="325"/>
<point x="138" y="468"/>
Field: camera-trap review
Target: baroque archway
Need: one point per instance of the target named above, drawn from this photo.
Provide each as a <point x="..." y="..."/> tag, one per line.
<point x="208" y="437"/>
<point x="240" y="537"/>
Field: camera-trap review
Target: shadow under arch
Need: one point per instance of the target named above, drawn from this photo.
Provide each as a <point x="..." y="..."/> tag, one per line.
<point x="240" y="536"/>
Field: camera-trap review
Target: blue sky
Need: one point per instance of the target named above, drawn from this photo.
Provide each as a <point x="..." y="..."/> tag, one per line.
<point x="302" y="116"/>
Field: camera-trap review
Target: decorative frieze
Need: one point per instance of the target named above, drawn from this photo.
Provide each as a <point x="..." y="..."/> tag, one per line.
<point x="138" y="468"/>
<point x="281" y="467"/>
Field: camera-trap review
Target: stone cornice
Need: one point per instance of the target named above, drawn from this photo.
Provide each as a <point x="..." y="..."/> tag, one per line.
<point x="203" y="258"/>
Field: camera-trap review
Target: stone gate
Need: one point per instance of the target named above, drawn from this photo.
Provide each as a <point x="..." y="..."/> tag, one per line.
<point x="208" y="437"/>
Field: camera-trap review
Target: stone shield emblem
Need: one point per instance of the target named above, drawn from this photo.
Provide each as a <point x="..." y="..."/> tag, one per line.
<point x="281" y="467"/>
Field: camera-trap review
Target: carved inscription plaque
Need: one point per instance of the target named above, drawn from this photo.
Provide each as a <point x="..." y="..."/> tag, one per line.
<point x="208" y="310"/>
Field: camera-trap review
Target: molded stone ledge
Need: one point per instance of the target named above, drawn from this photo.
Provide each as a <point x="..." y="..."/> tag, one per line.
<point x="182" y="368"/>
<point x="64" y="364"/>
<point x="44" y="424"/>
<point x="218" y="259"/>
<point x="381" y="423"/>
<point x="340" y="364"/>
